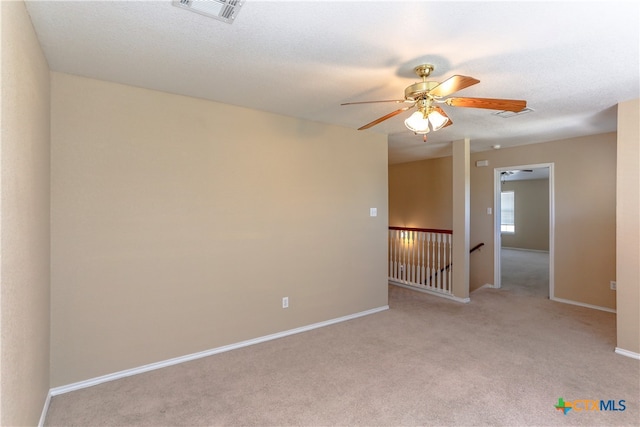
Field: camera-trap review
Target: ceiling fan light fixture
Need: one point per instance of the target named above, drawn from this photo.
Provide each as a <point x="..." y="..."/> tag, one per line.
<point x="422" y="123"/>
<point x="417" y="123"/>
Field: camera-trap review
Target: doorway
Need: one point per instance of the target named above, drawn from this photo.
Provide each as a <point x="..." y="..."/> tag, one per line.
<point x="502" y="174"/>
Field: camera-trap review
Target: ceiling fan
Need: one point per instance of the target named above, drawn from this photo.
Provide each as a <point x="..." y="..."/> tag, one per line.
<point x="508" y="173"/>
<point x="504" y="175"/>
<point x="426" y="95"/>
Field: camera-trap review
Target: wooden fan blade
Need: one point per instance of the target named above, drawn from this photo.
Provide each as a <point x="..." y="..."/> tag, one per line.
<point x="397" y="101"/>
<point x="453" y="84"/>
<point x="383" y="118"/>
<point x="441" y="111"/>
<point x="514" y="105"/>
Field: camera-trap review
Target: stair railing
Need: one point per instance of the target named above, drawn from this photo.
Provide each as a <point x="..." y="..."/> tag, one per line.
<point x="422" y="258"/>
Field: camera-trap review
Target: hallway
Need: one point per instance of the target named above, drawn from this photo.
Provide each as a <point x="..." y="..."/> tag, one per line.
<point x="525" y="272"/>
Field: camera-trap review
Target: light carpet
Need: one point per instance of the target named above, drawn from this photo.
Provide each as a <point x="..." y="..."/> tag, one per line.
<point x="502" y="360"/>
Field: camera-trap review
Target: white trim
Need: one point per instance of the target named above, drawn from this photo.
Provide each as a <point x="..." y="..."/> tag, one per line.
<point x="582" y="304"/>
<point x="497" y="229"/>
<point x="430" y="292"/>
<point x="175" y="361"/>
<point x="45" y="409"/>
<point x="627" y="353"/>
<point x="497" y="239"/>
<point x="552" y="229"/>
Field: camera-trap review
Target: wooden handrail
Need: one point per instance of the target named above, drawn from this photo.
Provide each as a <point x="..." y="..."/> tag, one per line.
<point x="425" y="230"/>
<point x="476" y="247"/>
<point x="473" y="249"/>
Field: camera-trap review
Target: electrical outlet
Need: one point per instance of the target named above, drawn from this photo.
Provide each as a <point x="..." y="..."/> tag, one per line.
<point x="612" y="285"/>
<point x="285" y="302"/>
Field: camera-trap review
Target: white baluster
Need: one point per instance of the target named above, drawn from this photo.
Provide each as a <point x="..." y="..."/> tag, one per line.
<point x="407" y="263"/>
<point x="422" y="259"/>
<point x="395" y="255"/>
<point x="439" y="281"/>
<point x="450" y="283"/>
<point x="436" y="260"/>
<point x="398" y="254"/>
<point x="427" y="265"/>
<point x="389" y="255"/>
<point x="402" y="247"/>
<point x="444" y="263"/>
<point x="401" y="256"/>
<point x="416" y="257"/>
<point x="430" y="259"/>
<point x="409" y="257"/>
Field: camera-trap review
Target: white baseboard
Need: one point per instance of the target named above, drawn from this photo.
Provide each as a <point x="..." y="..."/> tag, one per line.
<point x="627" y="353"/>
<point x="170" y="362"/>
<point x="581" y="304"/>
<point x="430" y="292"/>
<point x="47" y="401"/>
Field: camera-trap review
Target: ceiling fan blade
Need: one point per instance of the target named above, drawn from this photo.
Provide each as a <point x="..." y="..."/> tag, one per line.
<point x="397" y="101"/>
<point x="453" y="84"/>
<point x="383" y="118"/>
<point x="441" y="111"/>
<point x="514" y="105"/>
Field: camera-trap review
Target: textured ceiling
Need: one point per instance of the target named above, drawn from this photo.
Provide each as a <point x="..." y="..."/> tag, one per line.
<point x="572" y="61"/>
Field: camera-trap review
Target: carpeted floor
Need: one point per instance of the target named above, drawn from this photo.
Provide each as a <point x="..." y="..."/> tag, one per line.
<point x="525" y="272"/>
<point x="502" y="360"/>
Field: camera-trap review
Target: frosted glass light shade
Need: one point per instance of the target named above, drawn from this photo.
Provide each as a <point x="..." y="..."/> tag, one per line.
<point x="417" y="123"/>
<point x="437" y="120"/>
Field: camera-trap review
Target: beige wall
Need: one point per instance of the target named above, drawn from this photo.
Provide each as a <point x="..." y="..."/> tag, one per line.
<point x="531" y="215"/>
<point x="24" y="221"/>
<point x="177" y="227"/>
<point x="420" y="194"/>
<point x="585" y="199"/>
<point x="628" y="227"/>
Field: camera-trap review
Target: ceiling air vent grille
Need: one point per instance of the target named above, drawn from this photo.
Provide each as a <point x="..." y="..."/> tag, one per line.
<point x="507" y="114"/>
<point x="223" y="10"/>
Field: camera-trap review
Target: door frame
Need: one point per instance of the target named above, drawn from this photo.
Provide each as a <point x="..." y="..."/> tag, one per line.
<point x="497" y="237"/>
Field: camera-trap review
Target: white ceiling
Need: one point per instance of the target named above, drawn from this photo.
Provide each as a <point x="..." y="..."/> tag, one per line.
<point x="572" y="61"/>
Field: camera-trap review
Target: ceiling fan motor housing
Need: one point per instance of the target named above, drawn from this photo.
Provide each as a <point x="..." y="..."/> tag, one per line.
<point x="418" y="90"/>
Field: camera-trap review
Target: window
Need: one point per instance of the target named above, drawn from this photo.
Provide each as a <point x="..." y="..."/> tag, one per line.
<point x="507" y="212"/>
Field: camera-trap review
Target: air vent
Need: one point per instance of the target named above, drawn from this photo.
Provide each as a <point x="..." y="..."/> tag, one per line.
<point x="507" y="114"/>
<point x="223" y="10"/>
